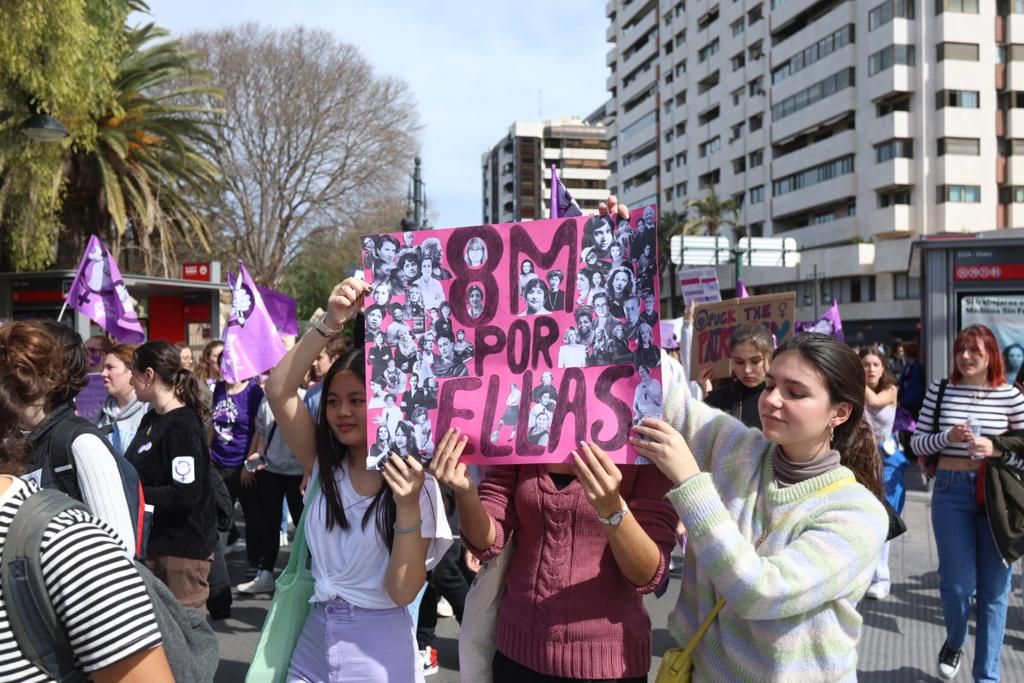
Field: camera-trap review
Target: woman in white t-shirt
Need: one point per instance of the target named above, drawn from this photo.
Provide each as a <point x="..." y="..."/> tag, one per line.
<point x="373" y="535"/>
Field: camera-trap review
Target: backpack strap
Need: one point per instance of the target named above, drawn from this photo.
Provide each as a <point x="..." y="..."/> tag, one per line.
<point x="938" y="405"/>
<point x="41" y="638"/>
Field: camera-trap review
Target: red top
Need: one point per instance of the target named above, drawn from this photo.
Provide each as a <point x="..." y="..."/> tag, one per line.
<point x="567" y="610"/>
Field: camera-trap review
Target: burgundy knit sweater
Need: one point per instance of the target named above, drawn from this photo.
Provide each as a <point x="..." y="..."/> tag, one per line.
<point x="567" y="610"/>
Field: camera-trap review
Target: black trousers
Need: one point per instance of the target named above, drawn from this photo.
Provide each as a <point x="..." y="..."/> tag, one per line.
<point x="249" y="499"/>
<point x="271" y="490"/>
<point x="446" y="580"/>
<point x="507" y="671"/>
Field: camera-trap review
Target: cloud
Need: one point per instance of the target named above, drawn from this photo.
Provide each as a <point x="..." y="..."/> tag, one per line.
<point x="473" y="68"/>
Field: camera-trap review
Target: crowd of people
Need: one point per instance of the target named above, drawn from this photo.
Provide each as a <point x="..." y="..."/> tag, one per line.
<point x="783" y="482"/>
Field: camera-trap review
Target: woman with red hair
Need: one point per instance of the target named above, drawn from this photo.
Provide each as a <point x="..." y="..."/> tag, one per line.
<point x="957" y="421"/>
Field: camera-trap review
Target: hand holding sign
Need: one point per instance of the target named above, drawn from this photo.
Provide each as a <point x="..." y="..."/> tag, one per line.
<point x="600" y="478"/>
<point x="659" y="442"/>
<point x="346" y="299"/>
<point x="446" y="467"/>
<point x="405" y="477"/>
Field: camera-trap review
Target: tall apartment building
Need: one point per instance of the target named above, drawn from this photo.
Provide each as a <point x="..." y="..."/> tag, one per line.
<point x="853" y="126"/>
<point x="517" y="169"/>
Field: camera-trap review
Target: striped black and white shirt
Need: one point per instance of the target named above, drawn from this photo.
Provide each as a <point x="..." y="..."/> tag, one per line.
<point x="95" y="589"/>
<point x="995" y="409"/>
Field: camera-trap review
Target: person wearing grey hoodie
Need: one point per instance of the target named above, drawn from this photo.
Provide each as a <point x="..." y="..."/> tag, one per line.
<point x="122" y="412"/>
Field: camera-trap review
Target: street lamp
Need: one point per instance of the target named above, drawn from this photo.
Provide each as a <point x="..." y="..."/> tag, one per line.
<point x="44" y="128"/>
<point x="811" y="297"/>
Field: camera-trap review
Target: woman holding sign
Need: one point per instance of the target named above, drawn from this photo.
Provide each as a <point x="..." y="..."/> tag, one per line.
<point x="785" y="526"/>
<point x="372" y="534"/>
<point x="752" y="347"/>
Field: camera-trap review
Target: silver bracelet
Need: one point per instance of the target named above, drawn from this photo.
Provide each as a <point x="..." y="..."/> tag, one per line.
<point x="400" y="530"/>
<point x="323" y="330"/>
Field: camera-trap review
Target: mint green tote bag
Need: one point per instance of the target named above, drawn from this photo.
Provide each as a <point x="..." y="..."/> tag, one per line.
<point x="288" y="611"/>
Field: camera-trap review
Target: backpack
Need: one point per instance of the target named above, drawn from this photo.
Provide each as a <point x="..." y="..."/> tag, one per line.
<point x="51" y="449"/>
<point x="188" y="640"/>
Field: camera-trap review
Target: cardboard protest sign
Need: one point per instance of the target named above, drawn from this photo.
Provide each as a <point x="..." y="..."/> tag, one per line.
<point x="529" y="337"/>
<point x="714" y="323"/>
<point x="700" y="285"/>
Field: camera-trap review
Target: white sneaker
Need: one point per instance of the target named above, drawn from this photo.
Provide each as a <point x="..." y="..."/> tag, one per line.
<point x="236" y="547"/>
<point x="263" y="583"/>
<point x="877" y="591"/>
<point x="444" y="609"/>
<point x="282" y="539"/>
<point x="428" y="661"/>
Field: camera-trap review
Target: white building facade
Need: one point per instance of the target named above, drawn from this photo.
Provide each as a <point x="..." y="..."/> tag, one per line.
<point x="852" y="126"/>
<point x="516" y="171"/>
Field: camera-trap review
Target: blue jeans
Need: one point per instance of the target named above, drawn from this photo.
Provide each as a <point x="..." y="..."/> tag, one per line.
<point x="969" y="564"/>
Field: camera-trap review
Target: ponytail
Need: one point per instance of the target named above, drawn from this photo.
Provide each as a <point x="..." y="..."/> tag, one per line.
<point x="858" y="452"/>
<point x="187" y="390"/>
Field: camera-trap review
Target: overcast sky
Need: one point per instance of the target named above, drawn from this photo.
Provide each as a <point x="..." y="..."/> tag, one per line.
<point x="473" y="67"/>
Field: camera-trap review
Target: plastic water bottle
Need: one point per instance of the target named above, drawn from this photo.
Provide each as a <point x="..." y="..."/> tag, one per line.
<point x="975" y="428"/>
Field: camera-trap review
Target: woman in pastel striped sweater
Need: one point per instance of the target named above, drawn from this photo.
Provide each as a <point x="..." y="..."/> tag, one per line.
<point x="785" y="524"/>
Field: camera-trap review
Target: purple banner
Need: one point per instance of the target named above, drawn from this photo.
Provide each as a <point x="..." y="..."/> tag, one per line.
<point x="562" y="203"/>
<point x="99" y="292"/>
<point x="831" y="324"/>
<point x="251" y="341"/>
<point x="90" y="399"/>
<point x="282" y="310"/>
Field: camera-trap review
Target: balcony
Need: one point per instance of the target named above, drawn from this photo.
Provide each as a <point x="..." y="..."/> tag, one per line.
<point x="640" y="192"/>
<point x="897" y="124"/>
<point x="829" y="109"/>
<point x="1015" y="170"/>
<point x="896" y="79"/>
<point x="609" y="34"/>
<point x="814" y="195"/>
<point x="891" y="173"/>
<point x="843" y="260"/>
<point x="894" y="255"/>
<point x="1015" y="28"/>
<point x="609" y="8"/>
<point x="829" y="148"/>
<point x="809" y="75"/>
<point x="1015" y="76"/>
<point x="958" y="122"/>
<point x="896" y="32"/>
<point x="955" y="169"/>
<point x="1015" y="216"/>
<point x="956" y="217"/>
<point x="609" y="58"/>
<point x="812" y="236"/>
<point x="960" y="27"/>
<point x="891" y="221"/>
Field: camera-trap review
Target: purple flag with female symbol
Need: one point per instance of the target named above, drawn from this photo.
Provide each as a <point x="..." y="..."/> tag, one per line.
<point x="282" y="309"/>
<point x="251" y="341"/>
<point x="562" y="203"/>
<point x="99" y="293"/>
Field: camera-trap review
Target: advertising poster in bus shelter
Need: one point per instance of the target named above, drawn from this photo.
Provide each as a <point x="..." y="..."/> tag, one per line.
<point x="714" y="323"/>
<point x="529" y="337"/>
<point x="1004" y="315"/>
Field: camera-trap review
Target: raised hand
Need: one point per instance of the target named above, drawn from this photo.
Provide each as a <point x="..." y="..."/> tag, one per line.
<point x="659" y="442"/>
<point x="600" y="479"/>
<point x="446" y="466"/>
<point x="405" y="477"/>
<point x="345" y="300"/>
<point x="614" y="208"/>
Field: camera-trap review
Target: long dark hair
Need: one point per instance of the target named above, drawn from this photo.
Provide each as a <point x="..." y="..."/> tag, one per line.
<point x="331" y="453"/>
<point x="14" y="447"/>
<point x="840" y="368"/>
<point x="886" y="380"/>
<point x="165" y="360"/>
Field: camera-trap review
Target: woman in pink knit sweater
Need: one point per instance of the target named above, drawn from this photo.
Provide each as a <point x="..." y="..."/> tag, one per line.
<point x="591" y="539"/>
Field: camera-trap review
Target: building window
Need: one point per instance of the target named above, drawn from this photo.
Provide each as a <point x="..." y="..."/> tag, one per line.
<point x="707" y="51"/>
<point x="756" y="122"/>
<point x="710" y="146"/>
<point x="960" y="194"/>
<point x="887" y="57"/>
<point x="737" y="95"/>
<point x="959" y="146"/>
<point x="819" y="50"/>
<point x="755" y="87"/>
<point x="1006" y="7"/>
<point x="681" y="189"/>
<point x="708" y="18"/>
<point x="888" y="106"/>
<point x="739" y="165"/>
<point x="736" y="132"/>
<point x="668" y="195"/>
<point x="822" y="89"/>
<point x="1011" y="146"/>
<point x="1011" y="194"/>
<point x="906" y="287"/>
<point x="738" y="27"/>
<point x="757" y="194"/>
<point x="708" y="180"/>
<point x="813" y="176"/>
<point x="756" y="229"/>
<point x="681" y="159"/>
<point x="897" y="148"/>
<point x="893" y="197"/>
<point x="756" y="158"/>
<point x="966" y="52"/>
<point x="889" y="10"/>
<point x="738" y="61"/>
<point x="755" y="15"/>
<point x="1010" y="100"/>
<point x="708" y="116"/>
<point x="962" y="6"/>
<point x="968" y="99"/>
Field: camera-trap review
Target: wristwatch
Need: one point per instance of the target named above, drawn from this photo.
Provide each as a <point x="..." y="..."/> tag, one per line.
<point x="615" y="519"/>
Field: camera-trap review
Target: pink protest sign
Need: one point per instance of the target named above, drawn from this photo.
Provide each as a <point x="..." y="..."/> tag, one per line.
<point x="528" y="337"/>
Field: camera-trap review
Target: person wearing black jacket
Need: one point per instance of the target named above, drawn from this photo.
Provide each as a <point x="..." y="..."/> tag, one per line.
<point x="172" y="457"/>
<point x="751" y="355"/>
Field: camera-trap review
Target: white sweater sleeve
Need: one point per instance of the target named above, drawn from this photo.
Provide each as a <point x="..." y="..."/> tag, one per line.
<point x="102" y="491"/>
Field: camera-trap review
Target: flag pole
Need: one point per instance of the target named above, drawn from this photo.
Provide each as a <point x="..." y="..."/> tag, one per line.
<point x="62" y="309"/>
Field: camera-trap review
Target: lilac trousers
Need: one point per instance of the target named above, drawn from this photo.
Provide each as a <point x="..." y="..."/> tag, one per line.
<point x="344" y="643"/>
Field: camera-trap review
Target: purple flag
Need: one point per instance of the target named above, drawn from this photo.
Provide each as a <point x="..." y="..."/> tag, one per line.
<point x="99" y="292"/>
<point x="251" y="341"/>
<point x="282" y="310"/>
<point x="830" y="323"/>
<point x="741" y="290"/>
<point x="562" y="203"/>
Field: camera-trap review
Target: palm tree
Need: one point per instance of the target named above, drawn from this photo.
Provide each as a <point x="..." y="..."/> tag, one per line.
<point x="711" y="214"/>
<point x="137" y="185"/>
